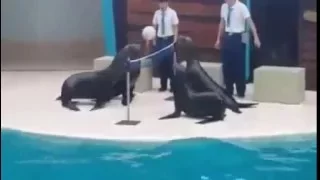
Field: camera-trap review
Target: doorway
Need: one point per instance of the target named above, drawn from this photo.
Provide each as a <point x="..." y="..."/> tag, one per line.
<point x="277" y="24"/>
<point x="120" y="20"/>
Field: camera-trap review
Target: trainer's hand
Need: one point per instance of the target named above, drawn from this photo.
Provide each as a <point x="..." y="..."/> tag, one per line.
<point x="257" y="42"/>
<point x="217" y="44"/>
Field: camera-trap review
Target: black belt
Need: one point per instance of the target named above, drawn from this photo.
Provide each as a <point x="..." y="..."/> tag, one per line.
<point x="166" y="37"/>
<point x="233" y="33"/>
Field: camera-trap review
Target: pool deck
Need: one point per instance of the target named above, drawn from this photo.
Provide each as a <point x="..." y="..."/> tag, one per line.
<point x="28" y="104"/>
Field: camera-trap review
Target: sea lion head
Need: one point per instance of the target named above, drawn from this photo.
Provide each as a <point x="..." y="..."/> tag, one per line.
<point x="185" y="49"/>
<point x="138" y="49"/>
<point x="134" y="51"/>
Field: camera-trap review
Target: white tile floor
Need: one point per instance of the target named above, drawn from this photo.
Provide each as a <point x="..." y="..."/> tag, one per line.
<point x="28" y="104"/>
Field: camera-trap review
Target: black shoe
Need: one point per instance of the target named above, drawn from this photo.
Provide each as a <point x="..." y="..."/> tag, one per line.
<point x="229" y="93"/>
<point x="162" y="89"/>
<point x="240" y="96"/>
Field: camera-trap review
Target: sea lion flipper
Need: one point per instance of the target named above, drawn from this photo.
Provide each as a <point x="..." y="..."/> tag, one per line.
<point x="98" y="105"/>
<point x="171" y="98"/>
<point x="124" y="100"/>
<point x="170" y="116"/>
<point x="208" y="120"/>
<point x="247" y="105"/>
<point x="72" y="106"/>
<point x="124" y="97"/>
<point x="208" y="84"/>
<point x="213" y="119"/>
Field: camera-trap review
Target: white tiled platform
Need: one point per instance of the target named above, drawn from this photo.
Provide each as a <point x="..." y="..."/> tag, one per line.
<point x="28" y="104"/>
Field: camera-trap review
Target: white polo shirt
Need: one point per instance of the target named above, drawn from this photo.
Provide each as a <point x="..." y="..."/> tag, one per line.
<point x="238" y="16"/>
<point x="170" y="19"/>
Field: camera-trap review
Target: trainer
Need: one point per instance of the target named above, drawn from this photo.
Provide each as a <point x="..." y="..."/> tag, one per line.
<point x="166" y="21"/>
<point x="234" y="17"/>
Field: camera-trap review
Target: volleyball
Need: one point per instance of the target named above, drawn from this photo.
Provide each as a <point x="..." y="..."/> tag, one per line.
<point x="148" y="33"/>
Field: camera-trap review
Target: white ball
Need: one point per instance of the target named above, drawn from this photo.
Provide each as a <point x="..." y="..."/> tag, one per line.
<point x="148" y="33"/>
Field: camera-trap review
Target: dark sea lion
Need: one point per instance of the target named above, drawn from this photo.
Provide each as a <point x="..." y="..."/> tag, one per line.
<point x="198" y="78"/>
<point x="120" y="88"/>
<point x="199" y="105"/>
<point x="103" y="85"/>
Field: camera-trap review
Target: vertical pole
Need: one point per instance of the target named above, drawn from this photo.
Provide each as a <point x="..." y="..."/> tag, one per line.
<point x="128" y="89"/>
<point x="247" y="56"/>
<point x="128" y="121"/>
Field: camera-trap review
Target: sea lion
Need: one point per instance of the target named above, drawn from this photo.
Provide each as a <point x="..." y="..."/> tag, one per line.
<point x="103" y="85"/>
<point x="193" y="104"/>
<point x="198" y="78"/>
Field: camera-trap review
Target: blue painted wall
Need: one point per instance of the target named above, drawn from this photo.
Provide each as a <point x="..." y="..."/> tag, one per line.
<point x="109" y="27"/>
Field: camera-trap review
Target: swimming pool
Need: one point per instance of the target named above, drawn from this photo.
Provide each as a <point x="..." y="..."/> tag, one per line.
<point x="27" y="156"/>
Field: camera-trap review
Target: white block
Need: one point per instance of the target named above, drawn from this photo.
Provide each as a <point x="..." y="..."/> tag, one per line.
<point x="102" y="62"/>
<point x="279" y="84"/>
<point x="144" y="82"/>
<point x="214" y="70"/>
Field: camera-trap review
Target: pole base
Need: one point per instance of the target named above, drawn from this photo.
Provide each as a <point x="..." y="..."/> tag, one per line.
<point x="128" y="122"/>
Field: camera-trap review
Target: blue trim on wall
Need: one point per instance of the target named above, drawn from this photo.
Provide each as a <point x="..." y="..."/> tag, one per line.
<point x="109" y="27"/>
<point x="248" y="49"/>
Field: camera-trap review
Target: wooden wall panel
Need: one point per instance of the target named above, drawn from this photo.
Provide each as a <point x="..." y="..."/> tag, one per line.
<point x="308" y="42"/>
<point x="198" y="19"/>
<point x="185" y="8"/>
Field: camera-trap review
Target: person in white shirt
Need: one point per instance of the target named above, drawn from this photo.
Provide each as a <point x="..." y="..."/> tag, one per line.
<point x="231" y="40"/>
<point x="166" y="21"/>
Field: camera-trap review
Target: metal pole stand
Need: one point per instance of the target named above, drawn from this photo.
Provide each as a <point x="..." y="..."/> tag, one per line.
<point x="128" y="122"/>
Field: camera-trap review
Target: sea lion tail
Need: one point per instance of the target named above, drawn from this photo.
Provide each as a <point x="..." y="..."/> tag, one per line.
<point x="58" y="98"/>
<point x="247" y="105"/>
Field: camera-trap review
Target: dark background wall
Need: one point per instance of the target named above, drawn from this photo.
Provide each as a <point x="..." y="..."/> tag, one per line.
<point x="277" y="23"/>
<point x="308" y="43"/>
<point x="50" y="34"/>
<point x="287" y="40"/>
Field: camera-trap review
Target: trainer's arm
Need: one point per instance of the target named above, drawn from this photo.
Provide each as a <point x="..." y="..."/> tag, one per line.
<point x="155" y="25"/>
<point x="221" y="24"/>
<point x="252" y="28"/>
<point x="220" y="29"/>
<point x="175" y="26"/>
<point x="154" y="20"/>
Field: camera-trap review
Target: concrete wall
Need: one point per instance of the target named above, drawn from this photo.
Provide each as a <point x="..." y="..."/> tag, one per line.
<point x="50" y="35"/>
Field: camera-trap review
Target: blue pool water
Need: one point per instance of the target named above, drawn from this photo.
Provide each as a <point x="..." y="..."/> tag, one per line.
<point x="33" y="157"/>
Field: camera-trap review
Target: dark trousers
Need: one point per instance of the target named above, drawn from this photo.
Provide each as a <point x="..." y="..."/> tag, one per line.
<point x="233" y="63"/>
<point x="165" y="61"/>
